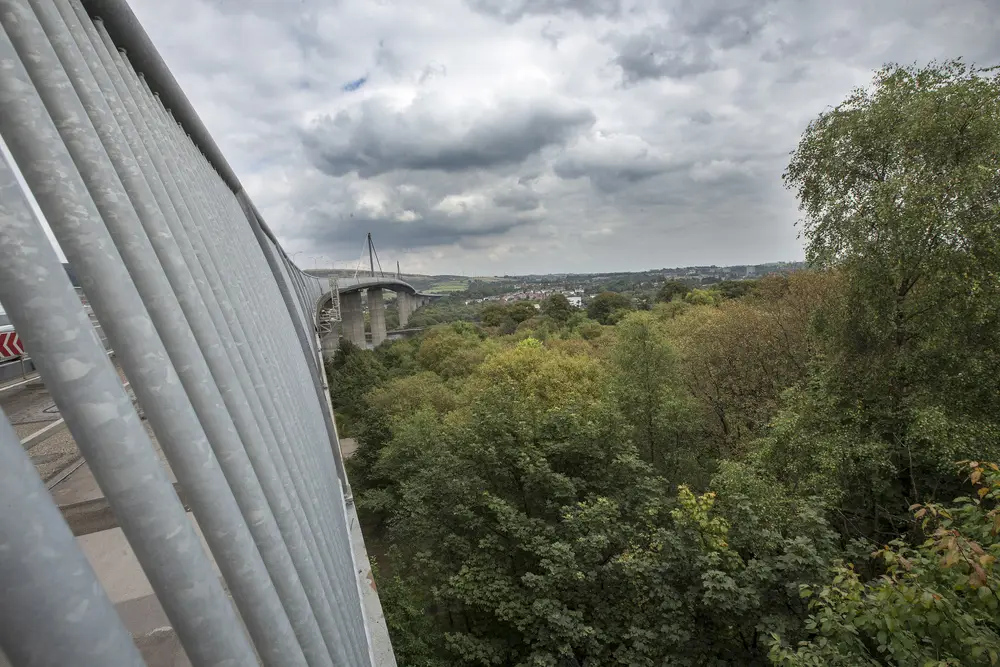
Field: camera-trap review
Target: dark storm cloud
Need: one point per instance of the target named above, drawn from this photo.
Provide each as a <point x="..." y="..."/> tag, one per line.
<point x="514" y="10"/>
<point x="376" y="140"/>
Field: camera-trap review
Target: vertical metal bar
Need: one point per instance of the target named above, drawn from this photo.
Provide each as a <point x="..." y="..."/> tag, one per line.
<point x="211" y="406"/>
<point x="258" y="339"/>
<point x="181" y="433"/>
<point x="333" y="514"/>
<point x="53" y="611"/>
<point x="254" y="391"/>
<point x="281" y="372"/>
<point x="301" y="473"/>
<point x="166" y="404"/>
<point x="311" y="354"/>
<point x="256" y="361"/>
<point x="287" y="406"/>
<point x="50" y="317"/>
<point x="285" y="506"/>
<point x="151" y="207"/>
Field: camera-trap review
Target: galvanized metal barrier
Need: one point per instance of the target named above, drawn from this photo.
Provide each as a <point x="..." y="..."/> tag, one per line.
<point x="214" y="327"/>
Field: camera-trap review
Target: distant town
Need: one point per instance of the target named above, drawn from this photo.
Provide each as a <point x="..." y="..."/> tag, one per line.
<point x="577" y="287"/>
<point x="465" y="297"/>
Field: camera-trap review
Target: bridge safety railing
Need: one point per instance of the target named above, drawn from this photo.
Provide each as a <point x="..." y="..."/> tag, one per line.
<point x="214" y="327"/>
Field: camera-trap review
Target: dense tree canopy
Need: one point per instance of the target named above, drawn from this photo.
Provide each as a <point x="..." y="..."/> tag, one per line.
<point x="899" y="186"/>
<point x="755" y="473"/>
<point x="558" y="308"/>
<point x="608" y="307"/>
<point x="672" y="289"/>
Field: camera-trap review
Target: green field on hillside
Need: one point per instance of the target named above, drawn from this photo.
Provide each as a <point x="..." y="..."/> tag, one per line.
<point x="448" y="286"/>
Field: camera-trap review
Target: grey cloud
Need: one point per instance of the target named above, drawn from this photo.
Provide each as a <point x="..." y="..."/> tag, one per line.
<point x="520" y="199"/>
<point x="410" y="211"/>
<point x="514" y="10"/>
<point x="301" y="23"/>
<point x="836" y="43"/>
<point x="413" y="219"/>
<point x="657" y="53"/>
<point x="378" y="140"/>
<point x="399" y="68"/>
<point x="552" y="35"/>
<point x="609" y="176"/>
<point x="612" y="161"/>
<point x="687" y="43"/>
<point x="591" y="175"/>
<point x="392" y="235"/>
<point x="702" y="117"/>
<point x="388" y="60"/>
<point x="432" y="70"/>
<point x="728" y="23"/>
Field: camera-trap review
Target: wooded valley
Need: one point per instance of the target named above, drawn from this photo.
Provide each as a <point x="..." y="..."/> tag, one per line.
<point x="798" y="472"/>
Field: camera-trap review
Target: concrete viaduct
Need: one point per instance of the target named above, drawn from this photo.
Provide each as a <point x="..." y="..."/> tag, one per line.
<point x="344" y="315"/>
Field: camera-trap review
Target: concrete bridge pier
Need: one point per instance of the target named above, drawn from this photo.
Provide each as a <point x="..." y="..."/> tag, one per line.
<point x="404" y="304"/>
<point x="352" y="318"/>
<point x="376" y="310"/>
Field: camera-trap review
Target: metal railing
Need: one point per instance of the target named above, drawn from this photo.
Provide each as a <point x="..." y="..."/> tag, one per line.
<point x="214" y="327"/>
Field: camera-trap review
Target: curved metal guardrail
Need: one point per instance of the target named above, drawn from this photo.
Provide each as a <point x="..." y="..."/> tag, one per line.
<point x="214" y="327"/>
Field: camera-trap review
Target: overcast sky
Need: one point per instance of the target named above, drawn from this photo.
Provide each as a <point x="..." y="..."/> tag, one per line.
<point x="512" y="136"/>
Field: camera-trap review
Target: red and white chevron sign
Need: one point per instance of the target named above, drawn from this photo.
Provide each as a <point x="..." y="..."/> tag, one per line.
<point x="10" y="345"/>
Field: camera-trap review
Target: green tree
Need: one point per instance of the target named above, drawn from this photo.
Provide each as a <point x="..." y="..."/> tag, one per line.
<point x="519" y="311"/>
<point x="493" y="314"/>
<point x="526" y="531"/>
<point x="443" y="311"/>
<point x="898" y="187"/>
<point x="451" y="350"/>
<point x="737" y="359"/>
<point x="702" y="297"/>
<point x="507" y="316"/>
<point x="672" y="289"/>
<point x="646" y="386"/>
<point x="735" y="289"/>
<point x="352" y="373"/>
<point x="404" y="395"/>
<point x="558" y="308"/>
<point x="938" y="603"/>
<point x="608" y="307"/>
<point x="589" y="329"/>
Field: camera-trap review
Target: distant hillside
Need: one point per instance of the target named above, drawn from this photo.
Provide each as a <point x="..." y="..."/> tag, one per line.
<point x="612" y="280"/>
<point x="420" y="281"/>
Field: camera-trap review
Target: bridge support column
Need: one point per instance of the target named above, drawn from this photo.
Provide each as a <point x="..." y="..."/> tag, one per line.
<point x="329" y="342"/>
<point x="352" y="318"/>
<point x="376" y="310"/>
<point x="404" y="304"/>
